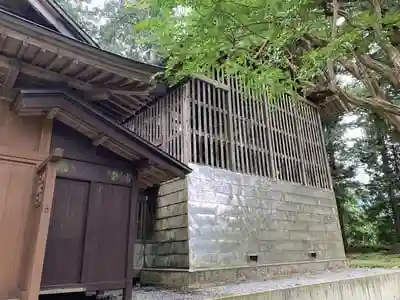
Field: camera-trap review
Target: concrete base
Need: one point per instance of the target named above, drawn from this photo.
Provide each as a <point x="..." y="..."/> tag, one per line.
<point x="354" y="284"/>
<point x="190" y="279"/>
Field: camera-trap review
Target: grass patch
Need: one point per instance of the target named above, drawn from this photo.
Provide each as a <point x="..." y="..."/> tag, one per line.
<point x="374" y="260"/>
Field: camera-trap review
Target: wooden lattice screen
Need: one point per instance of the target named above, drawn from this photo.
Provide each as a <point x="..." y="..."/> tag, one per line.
<point x="164" y="124"/>
<point x="221" y="123"/>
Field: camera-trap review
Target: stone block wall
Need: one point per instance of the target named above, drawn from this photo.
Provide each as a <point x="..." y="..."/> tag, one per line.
<point x="167" y="245"/>
<point x="233" y="216"/>
<point x="208" y="225"/>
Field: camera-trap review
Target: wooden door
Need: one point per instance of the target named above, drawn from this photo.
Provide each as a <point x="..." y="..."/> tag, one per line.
<point x="64" y="250"/>
<point x="88" y="236"/>
<point x="107" y="234"/>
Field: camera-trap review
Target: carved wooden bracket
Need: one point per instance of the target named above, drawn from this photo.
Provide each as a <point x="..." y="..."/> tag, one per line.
<point x="41" y="172"/>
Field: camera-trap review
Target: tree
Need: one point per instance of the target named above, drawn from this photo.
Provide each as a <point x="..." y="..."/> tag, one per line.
<point x="343" y="170"/>
<point x="110" y="25"/>
<point x="379" y="151"/>
<point x="293" y="45"/>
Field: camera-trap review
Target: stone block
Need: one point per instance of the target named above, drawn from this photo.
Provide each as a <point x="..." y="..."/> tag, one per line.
<point x="269" y="235"/>
<point x="174" y="279"/>
<point x="180" y="234"/>
<point x="172" y="198"/>
<point x="172" y="187"/>
<point x="178" y="261"/>
<point x="171" y="223"/>
<point x="165" y="248"/>
<point x="301" y="235"/>
<point x="172" y="210"/>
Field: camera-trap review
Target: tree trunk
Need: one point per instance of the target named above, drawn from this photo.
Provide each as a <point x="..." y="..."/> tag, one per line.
<point x="332" y="163"/>
<point x="381" y="131"/>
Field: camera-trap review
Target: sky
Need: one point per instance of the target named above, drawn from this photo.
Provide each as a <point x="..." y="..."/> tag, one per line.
<point x="97" y="2"/>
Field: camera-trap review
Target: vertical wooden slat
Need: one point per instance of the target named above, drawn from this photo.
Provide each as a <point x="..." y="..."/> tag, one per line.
<point x="312" y="140"/>
<point x="230" y="126"/>
<point x="222" y="128"/>
<point x="242" y="125"/>
<point x="266" y="102"/>
<point x="201" y="123"/>
<point x="287" y="135"/>
<point x="277" y="141"/>
<point x="217" y="128"/>
<point x="255" y="126"/>
<point x="205" y="123"/>
<point x="296" y="141"/>
<point x="262" y="134"/>
<point x="310" y="158"/>
<point x="187" y="135"/>
<point x="329" y="182"/>
<point x="239" y="126"/>
<point x="209" y="109"/>
<point x="195" y="121"/>
<point x="318" y="142"/>
<point x="235" y="130"/>
<point x="300" y="141"/>
<point x="314" y="134"/>
<point x="303" y="131"/>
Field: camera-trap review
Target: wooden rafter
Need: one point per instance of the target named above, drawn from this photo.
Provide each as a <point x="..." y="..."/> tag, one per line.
<point x="19" y="29"/>
<point x="12" y="75"/>
<point x="47" y="74"/>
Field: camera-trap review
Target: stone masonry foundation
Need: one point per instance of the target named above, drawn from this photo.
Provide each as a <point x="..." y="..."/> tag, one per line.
<point x="217" y="226"/>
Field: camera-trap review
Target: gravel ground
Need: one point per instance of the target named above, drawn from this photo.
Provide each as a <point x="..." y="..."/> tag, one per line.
<point x="151" y="293"/>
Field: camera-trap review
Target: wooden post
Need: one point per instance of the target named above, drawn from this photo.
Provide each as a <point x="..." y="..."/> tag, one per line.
<point x="44" y="201"/>
<point x="131" y="238"/>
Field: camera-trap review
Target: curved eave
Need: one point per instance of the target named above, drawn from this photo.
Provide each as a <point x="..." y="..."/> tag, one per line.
<point x="154" y="165"/>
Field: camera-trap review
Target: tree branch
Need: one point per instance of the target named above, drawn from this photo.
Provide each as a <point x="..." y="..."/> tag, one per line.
<point x="393" y="76"/>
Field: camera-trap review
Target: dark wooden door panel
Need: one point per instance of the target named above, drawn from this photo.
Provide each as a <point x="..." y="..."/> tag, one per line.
<point x="64" y="250"/>
<point x="107" y="233"/>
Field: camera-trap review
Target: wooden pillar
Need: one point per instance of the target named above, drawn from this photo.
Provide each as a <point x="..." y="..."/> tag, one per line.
<point x="44" y="200"/>
<point x="131" y="237"/>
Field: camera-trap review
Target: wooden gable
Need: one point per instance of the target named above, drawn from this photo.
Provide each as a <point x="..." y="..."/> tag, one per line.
<point x="49" y="14"/>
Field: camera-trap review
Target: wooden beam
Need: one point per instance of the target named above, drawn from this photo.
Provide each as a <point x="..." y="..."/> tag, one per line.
<point x="54" y="42"/>
<point x="141" y="164"/>
<point x="81" y="113"/>
<point x="100" y="139"/>
<point x="8" y="94"/>
<point x="52" y="113"/>
<point x="53" y="62"/>
<point x="3" y="39"/>
<point x="52" y="76"/>
<point x="54" y="156"/>
<point x="68" y="66"/>
<point x="132" y="93"/>
<point x="12" y="75"/>
<point x="211" y="81"/>
<point x="22" y="49"/>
